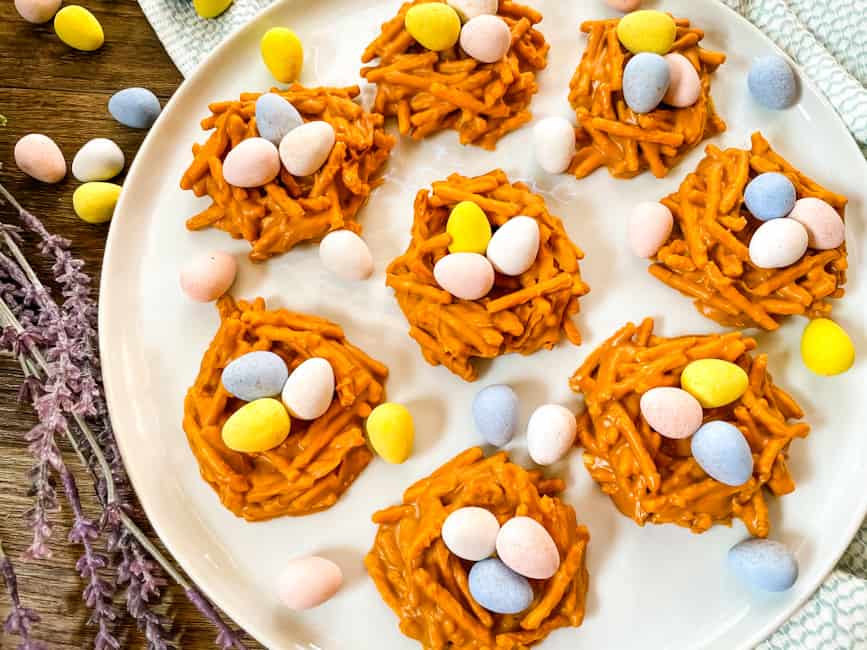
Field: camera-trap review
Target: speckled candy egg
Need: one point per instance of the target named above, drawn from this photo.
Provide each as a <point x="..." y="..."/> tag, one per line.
<point x="514" y="247"/>
<point x="275" y="117"/>
<point x="825" y="228"/>
<point x="94" y="202"/>
<point x="211" y="8"/>
<point x="207" y="277"/>
<point x="469" y="9"/>
<point x="714" y="382"/>
<point x="78" y="28"/>
<point x="486" y="38"/>
<point x="468" y="276"/>
<point x="650" y="225"/>
<point x="307" y="582"/>
<point x="346" y="255"/>
<point x="257" y="426"/>
<point x="391" y="432"/>
<point x="647" y="31"/>
<point x="527" y="548"/>
<point x="309" y="390"/>
<point x="255" y="375"/>
<point x="498" y="589"/>
<point x="770" y="196"/>
<point x="646" y="79"/>
<point x="469" y="228"/>
<point x="763" y="564"/>
<point x="671" y="412"/>
<point x="721" y="450"/>
<point x="137" y="108"/>
<point x="772" y="82"/>
<point x="99" y="159"/>
<point x="826" y="348"/>
<point x="778" y="243"/>
<point x="495" y="413"/>
<point x="253" y="162"/>
<point x="283" y="54"/>
<point x="471" y="533"/>
<point x="305" y="149"/>
<point x="37" y="11"/>
<point x="554" y="144"/>
<point x="624" y="5"/>
<point x="39" y="156"/>
<point x="551" y="433"/>
<point x="435" y="25"/>
<point x="685" y="85"/>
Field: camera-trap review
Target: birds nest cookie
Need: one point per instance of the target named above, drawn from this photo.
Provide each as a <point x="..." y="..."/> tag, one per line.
<point x="444" y="600"/>
<point x="331" y="152"/>
<point x="429" y="80"/>
<point x="687" y="430"/>
<point x="488" y="271"/>
<point x="262" y="461"/>
<point x="754" y="239"/>
<point x="636" y="109"/>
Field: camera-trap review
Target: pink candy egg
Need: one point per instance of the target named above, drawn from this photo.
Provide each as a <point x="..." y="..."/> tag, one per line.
<point x="825" y="228"/>
<point x="208" y="277"/>
<point x="685" y="85"/>
<point x="37" y="11"/>
<point x="486" y="38"/>
<point x="39" y="156"/>
<point x="527" y="548"/>
<point x="624" y="5"/>
<point x="468" y="276"/>
<point x="252" y="163"/>
<point x="671" y="412"/>
<point x="307" y="582"/>
<point x="650" y="225"/>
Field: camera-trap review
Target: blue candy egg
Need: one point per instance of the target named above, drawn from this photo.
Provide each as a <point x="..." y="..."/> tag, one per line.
<point x="763" y="564"/>
<point x="645" y="81"/>
<point x="499" y="589"/>
<point x="721" y="450"/>
<point x="137" y="108"/>
<point x="770" y="196"/>
<point x="772" y="82"/>
<point x="255" y="375"/>
<point x="275" y="117"/>
<point x="495" y="412"/>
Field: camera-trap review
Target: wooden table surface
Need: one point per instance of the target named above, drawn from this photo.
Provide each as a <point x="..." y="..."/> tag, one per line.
<point x="47" y="87"/>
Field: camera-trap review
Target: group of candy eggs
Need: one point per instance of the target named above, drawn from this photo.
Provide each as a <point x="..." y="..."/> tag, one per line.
<point x="482" y="34"/>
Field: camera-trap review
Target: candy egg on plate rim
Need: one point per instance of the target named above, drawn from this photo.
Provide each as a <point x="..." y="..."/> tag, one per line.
<point x="772" y="82"/>
<point x="309" y="390"/>
<point x="346" y="255"/>
<point x="527" y="548"/>
<point x="207" y="277"/>
<point x="307" y="582"/>
<point x="763" y="564"/>
<point x="471" y="533"/>
<point x="282" y="53"/>
<point x="468" y="276"/>
<point x="514" y="246"/>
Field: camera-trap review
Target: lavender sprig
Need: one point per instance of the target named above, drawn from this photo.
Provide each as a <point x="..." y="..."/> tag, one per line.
<point x="20" y="618"/>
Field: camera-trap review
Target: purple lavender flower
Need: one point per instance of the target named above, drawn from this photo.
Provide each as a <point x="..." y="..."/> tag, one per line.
<point x="20" y="619"/>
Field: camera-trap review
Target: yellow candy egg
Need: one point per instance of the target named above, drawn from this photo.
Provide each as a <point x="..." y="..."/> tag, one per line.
<point x="714" y="382"/>
<point x="391" y="432"/>
<point x="469" y="228"/>
<point x="647" y="31"/>
<point x="259" y="425"/>
<point x="211" y="8"/>
<point x="94" y="202"/>
<point x="434" y="25"/>
<point x="78" y="28"/>
<point x="283" y="54"/>
<point x="826" y="348"/>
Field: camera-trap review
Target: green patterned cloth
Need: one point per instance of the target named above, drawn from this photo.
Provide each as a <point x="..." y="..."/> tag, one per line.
<point x="828" y="39"/>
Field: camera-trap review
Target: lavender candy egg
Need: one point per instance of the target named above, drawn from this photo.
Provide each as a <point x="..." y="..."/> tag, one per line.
<point x="650" y="226"/>
<point x="255" y="375"/>
<point x="498" y="589"/>
<point x="824" y="226"/>
<point x="772" y="82"/>
<point x="207" y="277"/>
<point x="495" y="413"/>
<point x="527" y="548"/>
<point x="646" y="79"/>
<point x="275" y="117"/>
<point x="307" y="582"/>
<point x="468" y="276"/>
<point x="721" y="450"/>
<point x="253" y="162"/>
<point x="778" y="243"/>
<point x="486" y="38"/>
<point x="763" y="564"/>
<point x="770" y="196"/>
<point x="671" y="412"/>
<point x="39" y="157"/>
<point x="685" y="86"/>
<point x="137" y="108"/>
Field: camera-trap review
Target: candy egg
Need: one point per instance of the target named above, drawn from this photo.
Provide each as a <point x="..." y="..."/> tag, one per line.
<point x="469" y="9"/>
<point x="94" y="202"/>
<point x="826" y="348"/>
<point x="257" y="426"/>
<point x="714" y="382"/>
<point x="778" y="243"/>
<point x="255" y="375"/>
<point x="39" y="156"/>
<point x="825" y="228"/>
<point x="498" y="589"/>
<point x="486" y="38"/>
<point x="309" y="390"/>
<point x="137" y="108"/>
<point x="650" y="226"/>
<point x="514" y="247"/>
<point x="305" y="149"/>
<point x="275" y="117"/>
<point x="554" y="144"/>
<point x="436" y="26"/>
<point x="282" y="53"/>
<point x="78" y="28"/>
<point x="527" y="548"/>
<point x="211" y="8"/>
<point x="770" y="196"/>
<point x="646" y="79"/>
<point x="685" y="85"/>
<point x="307" y="582"/>
<point x="495" y="413"/>
<point x="37" y="11"/>
<point x="624" y="5"/>
<point x="551" y="433"/>
<point x="346" y="255"/>
<point x="763" y="564"/>
<point x="391" y="432"/>
<point x="471" y="533"/>
<point x="468" y="276"/>
<point x="721" y="450"/>
<point x="253" y="162"/>
<point x="469" y="228"/>
<point x="207" y="277"/>
<point x="671" y="412"/>
<point x="647" y="31"/>
<point x="98" y="160"/>
<point x="772" y="82"/>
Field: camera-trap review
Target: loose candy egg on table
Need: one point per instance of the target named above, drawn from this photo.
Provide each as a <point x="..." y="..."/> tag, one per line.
<point x="527" y="548"/>
<point x="78" y="28"/>
<point x="207" y="277"/>
<point x="685" y="85"/>
<point x="671" y="412"/>
<point x="824" y="226"/>
<point x="551" y="433"/>
<point x="469" y="9"/>
<point x="309" y="390"/>
<point x="647" y="31"/>
<point x="486" y="38"/>
<point x="436" y="26"/>
<point x="275" y="117"/>
<point x="257" y="426"/>
<point x="826" y="348"/>
<point x="282" y="53"/>
<point x="624" y="5"/>
<point x="211" y="8"/>
<point x="495" y="413"/>
<point x="471" y="533"/>
<point x="770" y="196"/>
<point x="94" y="202"/>
<point x="721" y="450"/>
<point x="778" y="243"/>
<point x="346" y="255"/>
<point x="650" y="225"/>
<point x="99" y="159"/>
<point x="255" y="375"/>
<point x="37" y="11"/>
<point x="554" y="144"/>
<point x="137" y="108"/>
<point x="714" y="382"/>
<point x="646" y="79"/>
<point x="391" y="432"/>
<point x="498" y="589"/>
<point x="309" y="581"/>
<point x="468" y="276"/>
<point x="763" y="564"/>
<point x="253" y="162"/>
<point x="772" y="82"/>
<point x="514" y="247"/>
<point x="306" y="148"/>
<point x="469" y="228"/>
<point x="39" y="157"/>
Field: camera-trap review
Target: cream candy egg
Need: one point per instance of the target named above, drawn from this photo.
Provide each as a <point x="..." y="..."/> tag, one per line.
<point x="37" y="11"/>
<point x="471" y="533"/>
<point x="307" y="582"/>
<point x="346" y="255"/>
<point x="254" y="162"/>
<point x="624" y="5"/>
<point x="551" y="432"/>
<point x="208" y="277"/>
<point x="671" y="412"/>
<point x="486" y="38"/>
<point x="825" y="228"/>
<point x="39" y="157"/>
<point x="308" y="391"/>
<point x="778" y="243"/>
<point x="685" y="85"/>
<point x="468" y="276"/>
<point x="527" y="548"/>
<point x="514" y="247"/>
<point x="306" y="148"/>
<point x="99" y="159"/>
<point x="554" y="143"/>
<point x="469" y="9"/>
<point x="650" y="225"/>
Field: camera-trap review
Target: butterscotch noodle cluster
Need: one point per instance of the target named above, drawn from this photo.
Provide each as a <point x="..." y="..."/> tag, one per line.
<point x="289" y="209"/>
<point x="523" y="313"/>
<point x="430" y="91"/>
<point x="320" y="458"/>
<point x="610" y="134"/>
<point x="655" y="479"/>
<point x="707" y="256"/>
<point x="426" y="585"/>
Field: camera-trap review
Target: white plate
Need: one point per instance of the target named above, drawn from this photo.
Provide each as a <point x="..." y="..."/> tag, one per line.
<point x="653" y="587"/>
